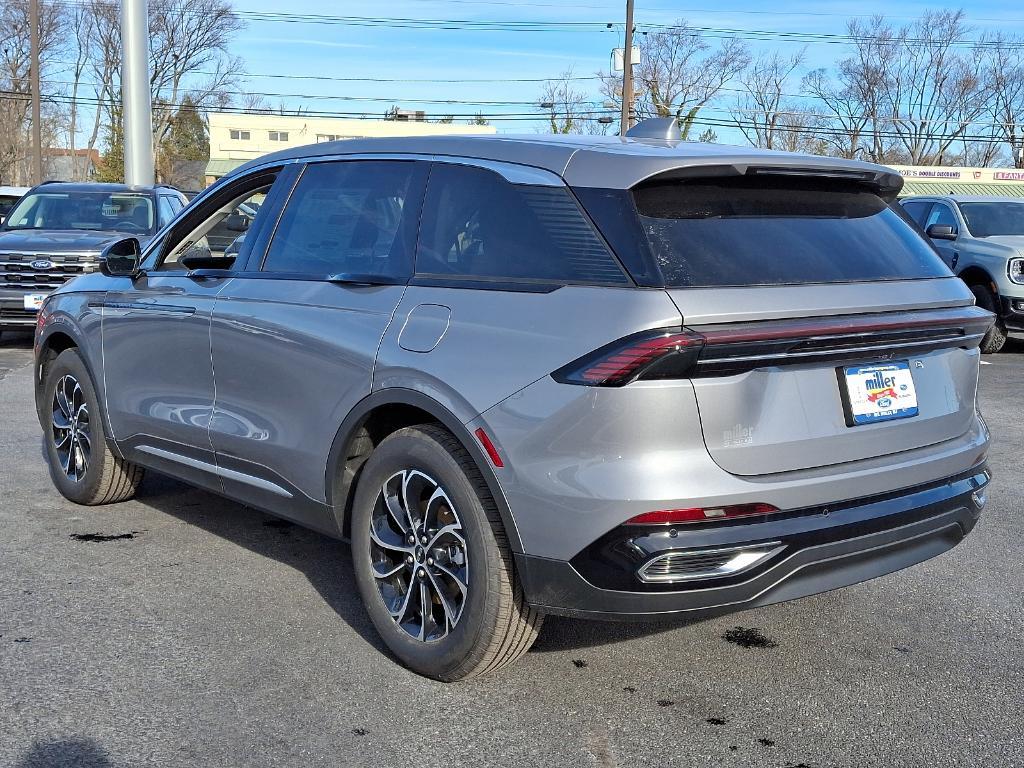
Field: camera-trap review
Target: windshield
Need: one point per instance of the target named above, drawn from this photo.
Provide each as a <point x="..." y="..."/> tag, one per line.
<point x="988" y="219"/>
<point x="782" y="231"/>
<point x="103" y="211"/>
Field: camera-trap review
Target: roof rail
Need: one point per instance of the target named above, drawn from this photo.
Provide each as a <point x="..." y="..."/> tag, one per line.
<point x="663" y="128"/>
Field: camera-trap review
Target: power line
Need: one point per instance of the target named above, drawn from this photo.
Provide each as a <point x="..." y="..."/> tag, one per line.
<point x="518" y="25"/>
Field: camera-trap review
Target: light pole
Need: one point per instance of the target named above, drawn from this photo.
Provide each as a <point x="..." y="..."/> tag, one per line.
<point x="136" y="108"/>
<point x="37" y="127"/>
<point x="626" y="121"/>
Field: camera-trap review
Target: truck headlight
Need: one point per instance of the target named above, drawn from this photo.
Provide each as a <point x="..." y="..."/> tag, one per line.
<point x="1015" y="270"/>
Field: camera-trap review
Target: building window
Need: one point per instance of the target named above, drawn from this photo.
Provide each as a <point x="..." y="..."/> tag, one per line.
<point x="239" y="135"/>
<point x="322" y="137"/>
<point x="278" y="135"/>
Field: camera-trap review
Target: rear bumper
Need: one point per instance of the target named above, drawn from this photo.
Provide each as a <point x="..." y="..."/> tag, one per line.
<point x="823" y="549"/>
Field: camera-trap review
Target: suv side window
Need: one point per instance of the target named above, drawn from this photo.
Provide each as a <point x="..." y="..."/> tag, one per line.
<point x="917" y="209"/>
<point x="350" y="217"/>
<point x="190" y="244"/>
<point x="165" y="212"/>
<point x="478" y="226"/>
<point x="942" y="214"/>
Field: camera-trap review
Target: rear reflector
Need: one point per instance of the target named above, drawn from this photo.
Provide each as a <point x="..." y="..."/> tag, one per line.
<point x="492" y="452"/>
<point x="701" y="514"/>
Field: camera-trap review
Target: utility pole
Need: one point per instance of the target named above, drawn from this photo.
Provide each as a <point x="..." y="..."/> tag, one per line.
<point x="627" y="74"/>
<point x="136" y="107"/>
<point x="37" y="128"/>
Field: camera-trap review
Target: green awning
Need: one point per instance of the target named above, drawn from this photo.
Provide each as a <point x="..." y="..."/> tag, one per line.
<point x="1006" y="189"/>
<point x="220" y="168"/>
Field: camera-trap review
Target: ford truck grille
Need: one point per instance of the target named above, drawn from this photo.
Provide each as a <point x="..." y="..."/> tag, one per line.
<point x="29" y="271"/>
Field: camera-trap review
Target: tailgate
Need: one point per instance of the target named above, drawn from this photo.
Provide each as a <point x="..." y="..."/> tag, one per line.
<point x="778" y="395"/>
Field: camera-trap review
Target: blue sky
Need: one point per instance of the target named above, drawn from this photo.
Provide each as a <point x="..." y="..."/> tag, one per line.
<point x="337" y="50"/>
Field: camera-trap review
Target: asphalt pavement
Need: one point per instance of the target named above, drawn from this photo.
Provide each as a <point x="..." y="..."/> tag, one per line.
<point x="195" y="632"/>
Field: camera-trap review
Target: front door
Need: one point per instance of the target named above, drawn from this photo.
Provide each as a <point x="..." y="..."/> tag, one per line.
<point x="156" y="339"/>
<point x="942" y="214"/>
<point x="295" y="337"/>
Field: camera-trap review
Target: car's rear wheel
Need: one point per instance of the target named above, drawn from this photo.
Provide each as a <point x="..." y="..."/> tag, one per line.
<point x="82" y="466"/>
<point x="995" y="339"/>
<point x="432" y="560"/>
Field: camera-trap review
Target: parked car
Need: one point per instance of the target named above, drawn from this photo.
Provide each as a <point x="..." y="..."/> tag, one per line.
<point x="982" y="241"/>
<point x="57" y="231"/>
<point x="622" y="378"/>
<point x="8" y="197"/>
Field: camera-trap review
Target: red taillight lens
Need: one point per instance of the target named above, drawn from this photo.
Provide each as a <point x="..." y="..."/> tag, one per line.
<point x="701" y="514"/>
<point x="666" y="354"/>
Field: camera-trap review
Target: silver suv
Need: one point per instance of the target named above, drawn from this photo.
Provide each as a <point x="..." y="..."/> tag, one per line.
<point x="598" y="377"/>
<point x="982" y="241"/>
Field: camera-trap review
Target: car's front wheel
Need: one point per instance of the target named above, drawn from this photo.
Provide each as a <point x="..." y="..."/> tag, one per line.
<point x="82" y="466"/>
<point x="432" y="560"/>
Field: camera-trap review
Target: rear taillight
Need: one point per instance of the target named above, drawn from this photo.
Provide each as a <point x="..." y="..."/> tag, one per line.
<point x="728" y="349"/>
<point x="701" y="514"/>
<point x="652" y="354"/>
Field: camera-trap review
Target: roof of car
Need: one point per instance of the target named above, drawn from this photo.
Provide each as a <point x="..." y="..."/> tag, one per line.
<point x="93" y="186"/>
<point x="586" y="161"/>
<point x="966" y="198"/>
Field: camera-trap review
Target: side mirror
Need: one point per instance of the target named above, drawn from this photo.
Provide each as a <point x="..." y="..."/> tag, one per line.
<point x="121" y="258"/>
<point x="237" y="222"/>
<point x="941" y="232"/>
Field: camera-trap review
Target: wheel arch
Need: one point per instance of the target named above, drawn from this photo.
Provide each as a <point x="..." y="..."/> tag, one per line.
<point x="379" y="415"/>
<point x="975" y="275"/>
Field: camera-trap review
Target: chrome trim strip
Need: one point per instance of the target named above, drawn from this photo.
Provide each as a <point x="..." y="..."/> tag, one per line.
<point x="213" y="469"/>
<point x="735" y="565"/>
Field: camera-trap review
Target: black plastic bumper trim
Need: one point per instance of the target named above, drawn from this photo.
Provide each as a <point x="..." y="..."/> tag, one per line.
<point x="554" y="586"/>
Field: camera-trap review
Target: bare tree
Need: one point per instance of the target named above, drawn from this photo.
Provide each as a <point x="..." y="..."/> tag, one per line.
<point x="679" y="74"/>
<point x="1004" y="73"/>
<point x="188" y="59"/>
<point x="844" y="101"/>
<point x="762" y="112"/>
<point x="567" y="109"/>
<point x="15" y="91"/>
<point x="931" y="93"/>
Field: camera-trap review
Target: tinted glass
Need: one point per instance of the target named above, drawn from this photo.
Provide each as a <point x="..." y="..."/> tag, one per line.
<point x="103" y="211"/>
<point x="988" y="219"/>
<point x="166" y="213"/>
<point x="941" y="214"/>
<point x="348" y="217"/>
<point x="917" y="209"/>
<point x="476" y="225"/>
<point x="737" y="232"/>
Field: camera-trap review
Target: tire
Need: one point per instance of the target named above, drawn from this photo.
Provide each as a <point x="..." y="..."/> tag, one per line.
<point x="465" y="633"/>
<point x="72" y="419"/>
<point x="995" y="339"/>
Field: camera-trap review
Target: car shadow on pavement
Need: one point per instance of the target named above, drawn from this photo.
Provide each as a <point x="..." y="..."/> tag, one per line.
<point x="324" y="561"/>
<point x="327" y="564"/>
<point x="65" y="753"/>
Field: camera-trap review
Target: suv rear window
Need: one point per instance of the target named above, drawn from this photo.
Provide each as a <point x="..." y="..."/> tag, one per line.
<point x="777" y="231"/>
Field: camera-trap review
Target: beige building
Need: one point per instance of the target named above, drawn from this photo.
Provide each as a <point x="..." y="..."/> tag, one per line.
<point x="238" y="138"/>
<point x="943" y="180"/>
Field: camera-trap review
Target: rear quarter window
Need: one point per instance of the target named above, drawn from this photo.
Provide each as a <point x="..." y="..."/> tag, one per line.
<point x="478" y="226"/>
<point x="777" y="231"/>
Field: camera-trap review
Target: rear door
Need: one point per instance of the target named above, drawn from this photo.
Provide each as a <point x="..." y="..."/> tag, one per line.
<point x="295" y="337"/>
<point x="809" y="293"/>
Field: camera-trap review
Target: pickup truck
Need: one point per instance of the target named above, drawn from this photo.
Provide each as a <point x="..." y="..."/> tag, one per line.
<point x="982" y="240"/>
